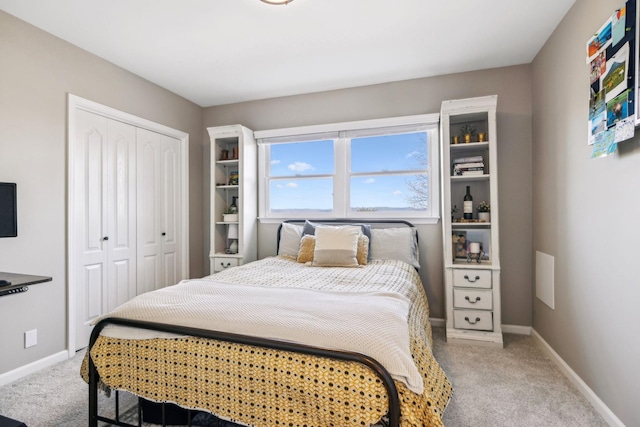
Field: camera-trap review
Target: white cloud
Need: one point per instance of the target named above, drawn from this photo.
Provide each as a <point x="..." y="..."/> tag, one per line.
<point x="300" y="167"/>
<point x="369" y="181"/>
<point x="397" y="193"/>
<point x="275" y="162"/>
<point x="292" y="185"/>
<point x="412" y="154"/>
<point x="278" y="185"/>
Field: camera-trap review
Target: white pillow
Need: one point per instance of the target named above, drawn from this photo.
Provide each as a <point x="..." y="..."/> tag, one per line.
<point x="290" y="235"/>
<point x="336" y="246"/>
<point x="395" y="243"/>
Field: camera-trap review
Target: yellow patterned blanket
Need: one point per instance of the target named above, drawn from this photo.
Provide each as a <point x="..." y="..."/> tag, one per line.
<point x="255" y="386"/>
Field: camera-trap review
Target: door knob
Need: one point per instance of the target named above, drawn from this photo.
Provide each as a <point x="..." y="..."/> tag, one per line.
<point x="105" y="238"/>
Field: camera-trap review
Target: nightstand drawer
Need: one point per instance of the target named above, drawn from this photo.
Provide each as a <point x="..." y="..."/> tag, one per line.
<point x="471" y="298"/>
<point x="472" y="278"/>
<point x="473" y="319"/>
<point x="222" y="263"/>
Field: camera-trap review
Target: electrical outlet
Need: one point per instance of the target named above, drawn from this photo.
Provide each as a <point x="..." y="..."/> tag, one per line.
<point x="30" y="338"/>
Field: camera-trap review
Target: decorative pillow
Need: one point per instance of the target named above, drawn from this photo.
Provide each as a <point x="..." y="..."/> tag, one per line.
<point x="362" y="255"/>
<point x="308" y="246"/>
<point x="290" y="235"/>
<point x="395" y="243"/>
<point x="310" y="228"/>
<point x="336" y="246"/>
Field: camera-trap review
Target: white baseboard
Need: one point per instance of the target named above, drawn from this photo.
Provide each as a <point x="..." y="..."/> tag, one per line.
<point x="516" y="329"/>
<point x="437" y="322"/>
<point x="586" y="391"/>
<point x="23" y="371"/>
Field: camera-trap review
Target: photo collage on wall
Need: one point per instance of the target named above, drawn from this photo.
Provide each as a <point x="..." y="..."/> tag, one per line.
<point x="611" y="55"/>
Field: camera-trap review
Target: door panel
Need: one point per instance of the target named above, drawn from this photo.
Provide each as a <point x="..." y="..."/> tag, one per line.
<point x="171" y="210"/>
<point x="105" y="215"/>
<point x="159" y="207"/>
<point x="122" y="213"/>
<point x="90" y="192"/>
<point x="149" y="148"/>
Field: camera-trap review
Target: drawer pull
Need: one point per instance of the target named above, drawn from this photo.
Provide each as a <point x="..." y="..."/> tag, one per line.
<point x="471" y="281"/>
<point x="225" y="266"/>
<point x="472" y="302"/>
<point x="470" y="322"/>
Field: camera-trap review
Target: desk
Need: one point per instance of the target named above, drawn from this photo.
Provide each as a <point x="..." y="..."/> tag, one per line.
<point x="19" y="282"/>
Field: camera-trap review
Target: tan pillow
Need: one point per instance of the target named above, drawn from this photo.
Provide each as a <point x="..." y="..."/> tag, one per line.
<point x="308" y="246"/>
<point x="363" y="250"/>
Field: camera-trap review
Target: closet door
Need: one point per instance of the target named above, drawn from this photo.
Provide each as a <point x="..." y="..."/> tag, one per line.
<point x="105" y="239"/>
<point x="159" y="203"/>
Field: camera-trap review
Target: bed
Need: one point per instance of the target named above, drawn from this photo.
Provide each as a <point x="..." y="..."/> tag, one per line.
<point x="242" y="344"/>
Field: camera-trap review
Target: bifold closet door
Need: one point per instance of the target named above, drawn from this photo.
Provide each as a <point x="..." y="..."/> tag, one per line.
<point x="104" y="186"/>
<point x="159" y="202"/>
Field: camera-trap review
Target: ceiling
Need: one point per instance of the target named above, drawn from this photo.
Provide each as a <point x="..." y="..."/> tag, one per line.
<point x="216" y="52"/>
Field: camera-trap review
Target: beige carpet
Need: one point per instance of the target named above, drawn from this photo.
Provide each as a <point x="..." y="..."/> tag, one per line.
<point x="514" y="386"/>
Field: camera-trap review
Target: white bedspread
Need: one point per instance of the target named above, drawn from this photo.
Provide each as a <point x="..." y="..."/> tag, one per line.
<point x="368" y="322"/>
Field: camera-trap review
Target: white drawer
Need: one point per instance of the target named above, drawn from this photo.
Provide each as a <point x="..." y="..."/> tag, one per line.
<point x="471" y="298"/>
<point x="466" y="278"/>
<point x="222" y="263"/>
<point x="473" y="319"/>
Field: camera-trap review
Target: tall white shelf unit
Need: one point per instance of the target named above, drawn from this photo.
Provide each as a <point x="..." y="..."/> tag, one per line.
<point x="233" y="139"/>
<point x="472" y="288"/>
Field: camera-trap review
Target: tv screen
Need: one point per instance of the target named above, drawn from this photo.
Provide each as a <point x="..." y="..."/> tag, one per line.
<point x="8" y="210"/>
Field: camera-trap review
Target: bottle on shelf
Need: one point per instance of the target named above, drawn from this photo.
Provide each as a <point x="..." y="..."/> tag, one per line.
<point x="233" y="208"/>
<point x="468" y="204"/>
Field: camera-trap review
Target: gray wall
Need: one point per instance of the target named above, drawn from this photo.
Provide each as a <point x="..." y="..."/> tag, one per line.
<point x="37" y="72"/>
<point x="585" y="214"/>
<point x="513" y="87"/>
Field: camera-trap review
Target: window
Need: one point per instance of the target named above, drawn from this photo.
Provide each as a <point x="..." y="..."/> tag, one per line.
<point x="370" y="169"/>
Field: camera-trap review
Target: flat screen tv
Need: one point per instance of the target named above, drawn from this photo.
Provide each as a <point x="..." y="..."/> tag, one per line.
<point x="8" y="210"/>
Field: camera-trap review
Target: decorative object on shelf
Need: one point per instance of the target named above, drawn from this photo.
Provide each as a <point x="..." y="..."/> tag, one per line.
<point x="233" y="178"/>
<point x="484" y="211"/>
<point x="231" y="212"/>
<point x="481" y="136"/>
<point x="455" y="139"/>
<point x="459" y="241"/>
<point x="468" y="131"/>
<point x="468" y="204"/>
<point x="276" y="2"/>
<point x="468" y="166"/>
<point x="454" y="210"/>
<point x="229" y="217"/>
<point x="232" y="235"/>
<point x="224" y="155"/>
<point x="474" y="252"/>
<point x="235" y="153"/>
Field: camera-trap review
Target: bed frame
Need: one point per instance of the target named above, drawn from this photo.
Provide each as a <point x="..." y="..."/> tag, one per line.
<point x="393" y="414"/>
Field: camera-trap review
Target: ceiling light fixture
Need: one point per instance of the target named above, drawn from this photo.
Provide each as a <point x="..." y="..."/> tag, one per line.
<point x="276" y="1"/>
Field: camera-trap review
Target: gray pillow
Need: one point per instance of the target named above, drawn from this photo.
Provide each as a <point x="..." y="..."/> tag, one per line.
<point x="398" y="243"/>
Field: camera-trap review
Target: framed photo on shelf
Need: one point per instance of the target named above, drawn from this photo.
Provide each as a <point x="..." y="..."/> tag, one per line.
<point x="459" y="244"/>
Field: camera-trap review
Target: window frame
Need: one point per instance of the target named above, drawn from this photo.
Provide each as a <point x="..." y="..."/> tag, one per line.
<point x="342" y="133"/>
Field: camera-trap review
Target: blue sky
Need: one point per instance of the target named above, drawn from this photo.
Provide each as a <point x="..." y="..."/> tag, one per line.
<point x="402" y="152"/>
